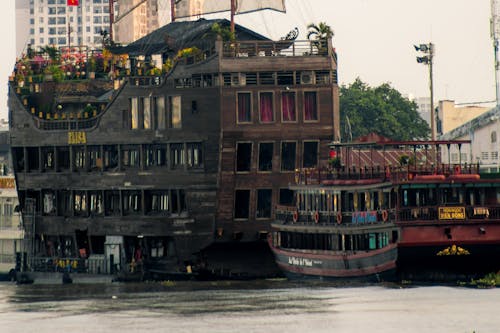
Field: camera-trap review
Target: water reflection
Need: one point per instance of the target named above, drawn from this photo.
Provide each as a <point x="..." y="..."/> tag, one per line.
<point x="256" y="306"/>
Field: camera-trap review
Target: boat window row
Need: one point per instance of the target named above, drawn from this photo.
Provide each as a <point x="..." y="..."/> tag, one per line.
<point x="86" y="203"/>
<point x="260" y="156"/>
<point x="344" y="201"/>
<point x="261" y="107"/>
<point x="242" y="79"/>
<point x="153" y="112"/>
<point x="450" y="195"/>
<point x="332" y="242"/>
<point x="111" y="158"/>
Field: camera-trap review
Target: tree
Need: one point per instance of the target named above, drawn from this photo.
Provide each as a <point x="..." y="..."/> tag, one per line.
<point x="382" y="110"/>
<point x="320" y="33"/>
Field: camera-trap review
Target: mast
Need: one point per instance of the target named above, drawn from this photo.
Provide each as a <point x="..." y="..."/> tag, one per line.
<point x="495" y="35"/>
<point x="172" y="10"/>
<point x="111" y="19"/>
<point x="233" y="10"/>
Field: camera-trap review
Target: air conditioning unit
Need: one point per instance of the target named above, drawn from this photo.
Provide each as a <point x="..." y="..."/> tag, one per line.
<point x="238" y="79"/>
<point x="307" y="77"/>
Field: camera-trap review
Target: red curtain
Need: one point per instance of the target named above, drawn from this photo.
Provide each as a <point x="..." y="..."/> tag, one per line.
<point x="288" y="105"/>
<point x="244" y="108"/>
<point x="72" y="2"/>
<point x="310" y="111"/>
<point x="266" y="107"/>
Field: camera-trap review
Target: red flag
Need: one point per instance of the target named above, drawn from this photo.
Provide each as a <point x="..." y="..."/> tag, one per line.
<point x="72" y="2"/>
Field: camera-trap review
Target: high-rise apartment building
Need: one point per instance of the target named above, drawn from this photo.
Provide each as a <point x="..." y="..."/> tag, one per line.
<point x="54" y="22"/>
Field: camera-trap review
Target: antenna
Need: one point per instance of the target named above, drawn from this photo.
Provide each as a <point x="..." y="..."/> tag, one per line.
<point x="495" y="35"/>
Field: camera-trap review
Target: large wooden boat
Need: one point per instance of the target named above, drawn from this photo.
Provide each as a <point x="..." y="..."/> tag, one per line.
<point x="132" y="166"/>
<point x="397" y="210"/>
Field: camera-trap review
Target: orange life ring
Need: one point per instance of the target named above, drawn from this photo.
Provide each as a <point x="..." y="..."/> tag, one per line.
<point x="316" y="216"/>
<point x="295" y="216"/>
<point x="385" y="215"/>
<point x="457" y="170"/>
<point x="339" y="217"/>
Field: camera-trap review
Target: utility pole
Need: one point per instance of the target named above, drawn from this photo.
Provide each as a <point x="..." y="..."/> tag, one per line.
<point x="427" y="59"/>
<point x="495" y="35"/>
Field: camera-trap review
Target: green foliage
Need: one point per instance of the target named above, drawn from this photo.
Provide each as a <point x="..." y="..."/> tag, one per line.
<point x="56" y="71"/>
<point x="224" y="32"/>
<point x="319" y="31"/>
<point x="381" y="110"/>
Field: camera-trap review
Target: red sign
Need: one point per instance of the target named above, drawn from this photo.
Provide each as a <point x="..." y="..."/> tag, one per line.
<point x="72" y="2"/>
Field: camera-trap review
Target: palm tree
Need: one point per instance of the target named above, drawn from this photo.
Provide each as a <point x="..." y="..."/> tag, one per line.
<point x="321" y="33"/>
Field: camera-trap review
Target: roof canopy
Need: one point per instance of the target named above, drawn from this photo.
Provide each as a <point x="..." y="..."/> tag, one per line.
<point x="178" y="35"/>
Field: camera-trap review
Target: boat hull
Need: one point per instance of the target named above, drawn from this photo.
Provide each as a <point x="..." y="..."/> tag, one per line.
<point x="376" y="265"/>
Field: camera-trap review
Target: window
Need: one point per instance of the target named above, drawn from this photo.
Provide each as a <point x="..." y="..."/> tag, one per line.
<point x="96" y="204"/>
<point x="264" y="203"/>
<point x="49" y="203"/>
<point x="244" y="108"/>
<point x="157" y="202"/>
<point x="177" y="156"/>
<point x="493" y="137"/>
<point x="484" y="155"/>
<point x="159" y="111"/>
<point x="243" y="156"/>
<point x="62" y="154"/>
<point x="494" y="155"/>
<point x="286" y="196"/>
<point x="110" y="157"/>
<point x="310" y="106"/>
<point x="288" y="106"/>
<point x="266" y="150"/>
<point x="131" y="202"/>
<point x="266" y="107"/>
<point x="134" y="113"/>
<point x="156" y="155"/>
<point x="146" y="108"/>
<point x="130" y="156"/>
<point x="48" y="158"/>
<point x="94" y="156"/>
<point x="80" y="204"/>
<point x="79" y="157"/>
<point x="288" y="153"/>
<point x="112" y="202"/>
<point x="310" y="155"/>
<point x="194" y="155"/>
<point x="175" y="112"/>
<point x="241" y="204"/>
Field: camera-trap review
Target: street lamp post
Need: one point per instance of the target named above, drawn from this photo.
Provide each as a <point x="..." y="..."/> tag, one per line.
<point x="428" y="54"/>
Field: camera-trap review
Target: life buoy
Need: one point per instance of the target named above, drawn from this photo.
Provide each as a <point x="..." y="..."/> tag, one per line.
<point x="316" y="216"/>
<point x="457" y="170"/>
<point x="385" y="215"/>
<point x="295" y="216"/>
<point x="387" y="172"/>
<point x="339" y="217"/>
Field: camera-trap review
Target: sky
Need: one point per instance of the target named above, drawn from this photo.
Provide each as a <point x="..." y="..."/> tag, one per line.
<point x="374" y="41"/>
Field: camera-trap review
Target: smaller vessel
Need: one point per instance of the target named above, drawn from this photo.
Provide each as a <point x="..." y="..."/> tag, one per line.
<point x="338" y="225"/>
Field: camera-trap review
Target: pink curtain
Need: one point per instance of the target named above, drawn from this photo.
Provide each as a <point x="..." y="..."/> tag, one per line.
<point x="310" y="108"/>
<point x="288" y="105"/>
<point x="244" y="107"/>
<point x="266" y="107"/>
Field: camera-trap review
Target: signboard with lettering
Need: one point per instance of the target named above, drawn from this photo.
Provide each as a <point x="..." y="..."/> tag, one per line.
<point x="364" y="217"/>
<point x="7" y="182"/>
<point x="452" y="213"/>
<point x="77" y="138"/>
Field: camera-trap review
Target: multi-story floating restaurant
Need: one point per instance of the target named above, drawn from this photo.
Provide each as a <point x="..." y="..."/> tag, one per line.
<point x="176" y="145"/>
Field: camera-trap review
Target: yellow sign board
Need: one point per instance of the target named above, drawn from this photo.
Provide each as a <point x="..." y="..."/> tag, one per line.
<point x="7" y="182"/>
<point x="452" y="213"/>
<point x="77" y="138"/>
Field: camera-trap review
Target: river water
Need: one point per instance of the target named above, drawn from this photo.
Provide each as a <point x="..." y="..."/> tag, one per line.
<point x="256" y="306"/>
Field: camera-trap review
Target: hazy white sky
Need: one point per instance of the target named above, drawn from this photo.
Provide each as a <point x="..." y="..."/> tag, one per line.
<point x="374" y="40"/>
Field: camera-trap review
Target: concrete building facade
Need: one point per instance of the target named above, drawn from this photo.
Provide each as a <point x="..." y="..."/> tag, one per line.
<point x="450" y="116"/>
